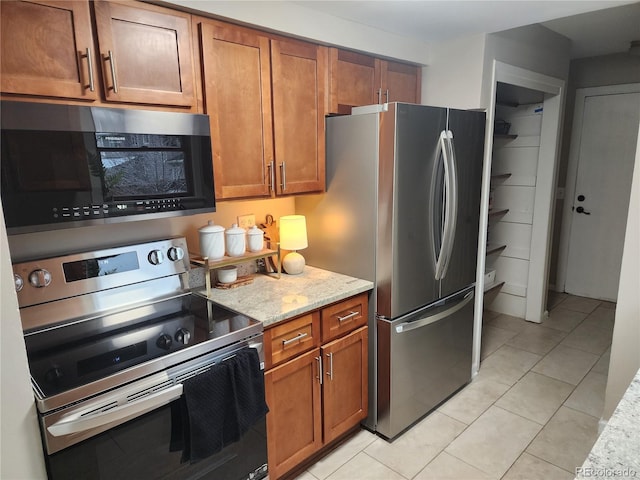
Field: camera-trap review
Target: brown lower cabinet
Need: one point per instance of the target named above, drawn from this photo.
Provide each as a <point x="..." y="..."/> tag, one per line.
<point x="317" y="396"/>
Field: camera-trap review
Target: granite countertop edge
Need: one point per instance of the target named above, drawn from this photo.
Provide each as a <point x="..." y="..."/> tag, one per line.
<point x="615" y="453"/>
<point x="271" y="300"/>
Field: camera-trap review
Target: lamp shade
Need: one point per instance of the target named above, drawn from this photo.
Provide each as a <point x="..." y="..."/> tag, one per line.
<point x="293" y="232"/>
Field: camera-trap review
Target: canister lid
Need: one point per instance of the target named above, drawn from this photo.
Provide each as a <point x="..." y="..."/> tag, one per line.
<point x="235" y="230"/>
<point x="255" y="231"/>
<point x="210" y="227"/>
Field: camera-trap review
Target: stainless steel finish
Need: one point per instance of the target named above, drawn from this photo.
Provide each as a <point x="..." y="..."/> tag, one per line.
<point x="347" y="317"/>
<point x="319" y="376"/>
<point x="428" y="320"/>
<point x="175" y="253"/>
<point x="92" y="85"/>
<point x="155" y="257"/>
<point x="379" y="95"/>
<point x="422" y="368"/>
<point x="467" y="129"/>
<point x="59" y="288"/>
<point x="298" y="337"/>
<point x="398" y="204"/>
<point x="83" y="420"/>
<point x="283" y="176"/>
<point x="112" y="62"/>
<point x="272" y="181"/>
<point x="406" y="271"/>
<point x="40" y="278"/>
<point x="386" y="95"/>
<point x="330" y="372"/>
<point x="75" y="118"/>
<point x="46" y="404"/>
<point x="18" y="282"/>
<point x="450" y="203"/>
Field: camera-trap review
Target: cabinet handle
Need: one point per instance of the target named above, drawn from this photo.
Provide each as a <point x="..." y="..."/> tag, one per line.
<point x="272" y="180"/>
<point x="112" y="62"/>
<point x="300" y="336"/>
<point x="283" y="175"/>
<point x="386" y="94"/>
<point x="319" y="360"/>
<point x="379" y="96"/>
<point x="92" y="85"/>
<point x="347" y="317"/>
<point x="330" y="372"/>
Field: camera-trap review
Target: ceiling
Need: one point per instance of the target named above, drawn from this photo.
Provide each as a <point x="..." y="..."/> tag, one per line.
<point x="595" y="27"/>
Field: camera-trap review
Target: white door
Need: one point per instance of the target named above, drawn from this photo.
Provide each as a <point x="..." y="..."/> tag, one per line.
<point x="605" y="157"/>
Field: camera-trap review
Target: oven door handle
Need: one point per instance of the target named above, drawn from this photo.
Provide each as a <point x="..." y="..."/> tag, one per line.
<point x="75" y="422"/>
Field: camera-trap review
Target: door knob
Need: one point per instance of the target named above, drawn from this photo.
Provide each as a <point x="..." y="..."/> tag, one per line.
<point x="582" y="210"/>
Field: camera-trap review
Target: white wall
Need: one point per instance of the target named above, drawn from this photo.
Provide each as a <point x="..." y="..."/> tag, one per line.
<point x="625" y="351"/>
<point x="453" y="77"/>
<point x="532" y="47"/>
<point x="304" y="23"/>
<point x="20" y="448"/>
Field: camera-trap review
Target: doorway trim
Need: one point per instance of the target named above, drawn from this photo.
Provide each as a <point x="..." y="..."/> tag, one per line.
<point x="572" y="169"/>
<point x="540" y="254"/>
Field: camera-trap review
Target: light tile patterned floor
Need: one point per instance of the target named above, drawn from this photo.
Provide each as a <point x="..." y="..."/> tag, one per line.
<point x="531" y="413"/>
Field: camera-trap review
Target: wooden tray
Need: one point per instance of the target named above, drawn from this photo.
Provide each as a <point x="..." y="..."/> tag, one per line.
<point x="238" y="283"/>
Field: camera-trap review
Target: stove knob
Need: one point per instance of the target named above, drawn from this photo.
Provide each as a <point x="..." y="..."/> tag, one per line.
<point x="40" y="278"/>
<point x="175" y="254"/>
<point x="53" y="375"/>
<point x="183" y="336"/>
<point x="156" y="257"/>
<point x="164" y="341"/>
<point x="18" y="281"/>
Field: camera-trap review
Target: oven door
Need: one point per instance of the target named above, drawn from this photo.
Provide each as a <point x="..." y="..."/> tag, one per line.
<point x="127" y="433"/>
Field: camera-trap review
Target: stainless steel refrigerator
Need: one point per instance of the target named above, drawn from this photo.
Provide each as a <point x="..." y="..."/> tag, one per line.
<point x="401" y="209"/>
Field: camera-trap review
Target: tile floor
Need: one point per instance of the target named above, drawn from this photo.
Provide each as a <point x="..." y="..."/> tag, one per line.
<point x="531" y="413"/>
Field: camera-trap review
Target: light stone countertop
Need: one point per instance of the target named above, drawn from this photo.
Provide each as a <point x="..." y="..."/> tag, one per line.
<point x="616" y="453"/>
<point x="270" y="300"/>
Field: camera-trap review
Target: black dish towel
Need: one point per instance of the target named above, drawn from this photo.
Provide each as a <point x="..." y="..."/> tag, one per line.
<point x="220" y="405"/>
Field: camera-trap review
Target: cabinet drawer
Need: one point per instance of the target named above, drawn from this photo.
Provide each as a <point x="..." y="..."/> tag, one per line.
<point x="344" y="316"/>
<point x="291" y="338"/>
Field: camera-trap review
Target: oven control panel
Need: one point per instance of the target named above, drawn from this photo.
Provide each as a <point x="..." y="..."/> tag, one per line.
<point x="52" y="279"/>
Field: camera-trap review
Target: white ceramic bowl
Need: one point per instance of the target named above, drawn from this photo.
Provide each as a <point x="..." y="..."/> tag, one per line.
<point x="228" y="274"/>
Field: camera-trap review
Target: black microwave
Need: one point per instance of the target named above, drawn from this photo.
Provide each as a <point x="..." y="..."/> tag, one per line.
<point x="67" y="166"/>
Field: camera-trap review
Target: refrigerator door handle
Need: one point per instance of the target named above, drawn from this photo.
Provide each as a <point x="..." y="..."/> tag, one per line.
<point x="423" y="322"/>
<point x="451" y="203"/>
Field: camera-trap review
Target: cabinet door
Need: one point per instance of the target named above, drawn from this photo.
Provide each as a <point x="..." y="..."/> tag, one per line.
<point x="355" y="80"/>
<point x="345" y="385"/>
<point x="400" y="82"/>
<point x="299" y="106"/>
<point x="47" y="49"/>
<point x="237" y="91"/>
<point x="145" y="53"/>
<point x="294" y="420"/>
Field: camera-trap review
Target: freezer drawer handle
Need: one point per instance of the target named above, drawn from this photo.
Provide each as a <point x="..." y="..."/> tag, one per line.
<point x="347" y="317"/>
<point x="407" y="326"/>
<point x="300" y="336"/>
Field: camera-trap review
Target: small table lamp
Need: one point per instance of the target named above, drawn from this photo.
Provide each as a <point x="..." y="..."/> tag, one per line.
<point x="293" y="236"/>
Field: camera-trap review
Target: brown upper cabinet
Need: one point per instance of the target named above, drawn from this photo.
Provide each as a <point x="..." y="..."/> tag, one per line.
<point x="266" y="100"/>
<point x="47" y="50"/>
<point x="144" y="53"/>
<point x="358" y="79"/>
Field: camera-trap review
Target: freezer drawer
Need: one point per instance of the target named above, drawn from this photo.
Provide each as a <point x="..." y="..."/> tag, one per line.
<point x="423" y="358"/>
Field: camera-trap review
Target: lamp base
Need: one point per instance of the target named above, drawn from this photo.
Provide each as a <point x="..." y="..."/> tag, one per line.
<point x="293" y="263"/>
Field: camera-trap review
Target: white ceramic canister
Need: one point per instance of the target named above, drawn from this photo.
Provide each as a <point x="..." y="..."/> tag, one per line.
<point x="212" y="241"/>
<point x="235" y="239"/>
<point x="255" y="239"/>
